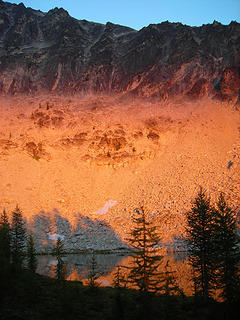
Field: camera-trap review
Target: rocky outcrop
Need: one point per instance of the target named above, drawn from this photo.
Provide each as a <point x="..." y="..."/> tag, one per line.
<point x="54" y="52"/>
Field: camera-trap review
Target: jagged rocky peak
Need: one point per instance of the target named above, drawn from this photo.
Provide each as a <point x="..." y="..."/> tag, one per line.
<point x="59" y="12"/>
<point x="57" y="53"/>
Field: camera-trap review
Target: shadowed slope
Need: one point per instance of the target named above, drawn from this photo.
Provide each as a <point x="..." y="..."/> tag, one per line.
<point x="54" y="52"/>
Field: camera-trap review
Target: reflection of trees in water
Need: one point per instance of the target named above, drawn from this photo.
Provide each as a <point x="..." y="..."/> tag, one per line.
<point x="78" y="267"/>
<point x="182" y="271"/>
<point x="105" y="263"/>
<point x="177" y="263"/>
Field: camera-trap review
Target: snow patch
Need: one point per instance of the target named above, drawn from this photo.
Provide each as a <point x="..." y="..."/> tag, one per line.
<point x="108" y="205"/>
<point x="55" y="236"/>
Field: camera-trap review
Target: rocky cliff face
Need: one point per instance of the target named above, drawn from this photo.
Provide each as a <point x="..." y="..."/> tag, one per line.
<point x="54" y="52"/>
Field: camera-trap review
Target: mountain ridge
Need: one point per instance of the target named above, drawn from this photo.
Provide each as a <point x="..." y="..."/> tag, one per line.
<point x="53" y="52"/>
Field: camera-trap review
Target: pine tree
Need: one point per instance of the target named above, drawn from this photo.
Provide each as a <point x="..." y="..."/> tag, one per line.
<point x="93" y="274"/>
<point x="18" y="237"/>
<point x="143" y="237"/>
<point x="5" y="256"/>
<point x="200" y="233"/>
<point x="31" y="255"/>
<point x="5" y="240"/>
<point x="5" y="251"/>
<point x="58" y="251"/>
<point x="227" y="251"/>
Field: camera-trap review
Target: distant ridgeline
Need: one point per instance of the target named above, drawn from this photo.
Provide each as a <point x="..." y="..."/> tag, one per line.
<point x="53" y="52"/>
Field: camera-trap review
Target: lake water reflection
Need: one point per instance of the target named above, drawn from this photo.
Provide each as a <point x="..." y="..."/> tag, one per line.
<point x="78" y="267"/>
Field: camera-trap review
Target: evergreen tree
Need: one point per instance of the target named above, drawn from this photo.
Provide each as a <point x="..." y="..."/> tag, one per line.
<point x="31" y="255"/>
<point x="18" y="237"/>
<point x="5" y="256"/>
<point x="227" y="251"/>
<point x="200" y="233"/>
<point x="58" y="251"/>
<point x="93" y="274"/>
<point x="143" y="237"/>
<point x="5" y="240"/>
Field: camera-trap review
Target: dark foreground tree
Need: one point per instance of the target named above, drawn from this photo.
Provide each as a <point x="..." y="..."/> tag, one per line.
<point x="31" y="255"/>
<point x="5" y="250"/>
<point x="200" y="233"/>
<point x="227" y="251"/>
<point x="5" y="239"/>
<point x="143" y="238"/>
<point x="18" y="238"/>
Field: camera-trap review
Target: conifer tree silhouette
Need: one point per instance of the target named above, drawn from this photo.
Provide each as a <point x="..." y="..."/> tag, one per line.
<point x="58" y="251"/>
<point x="31" y="255"/>
<point x="200" y="234"/>
<point x="5" y="239"/>
<point x="18" y="238"/>
<point x="5" y="250"/>
<point x="227" y="251"/>
<point x="143" y="238"/>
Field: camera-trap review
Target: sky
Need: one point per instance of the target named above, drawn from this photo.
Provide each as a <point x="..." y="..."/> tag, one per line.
<point x="140" y="13"/>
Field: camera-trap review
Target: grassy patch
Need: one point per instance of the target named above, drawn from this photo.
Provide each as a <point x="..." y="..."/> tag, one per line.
<point x="35" y="157"/>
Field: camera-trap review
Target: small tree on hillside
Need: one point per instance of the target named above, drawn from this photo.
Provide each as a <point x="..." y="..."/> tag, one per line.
<point x="18" y="237"/>
<point x="227" y="251"/>
<point x="31" y="255"/>
<point x="200" y="233"/>
<point x="143" y="237"/>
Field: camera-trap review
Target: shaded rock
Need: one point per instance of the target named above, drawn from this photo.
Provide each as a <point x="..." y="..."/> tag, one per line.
<point x="57" y="53"/>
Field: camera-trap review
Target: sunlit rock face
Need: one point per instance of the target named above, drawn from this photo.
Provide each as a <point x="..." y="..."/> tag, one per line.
<point x="55" y="52"/>
<point x="79" y="166"/>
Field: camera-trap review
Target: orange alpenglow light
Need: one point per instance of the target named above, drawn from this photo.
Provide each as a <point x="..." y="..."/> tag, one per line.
<point x="98" y="157"/>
